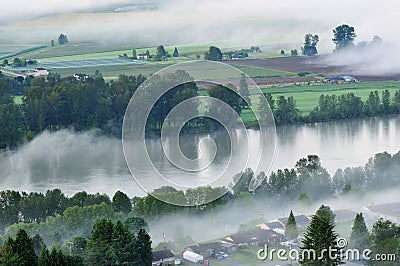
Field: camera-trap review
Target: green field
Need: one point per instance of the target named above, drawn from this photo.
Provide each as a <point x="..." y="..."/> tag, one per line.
<point x="307" y="96"/>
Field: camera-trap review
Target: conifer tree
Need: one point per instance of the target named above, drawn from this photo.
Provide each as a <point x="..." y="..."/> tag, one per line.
<point x="320" y="236"/>
<point x="291" y="227"/>
<point x="359" y="238"/>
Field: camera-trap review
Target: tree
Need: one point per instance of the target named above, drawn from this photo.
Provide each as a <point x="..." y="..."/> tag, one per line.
<point x="100" y="243"/>
<point x="291" y="227"/>
<point x="320" y="236"/>
<point x="134" y="56"/>
<point x="344" y="36"/>
<point x="359" y="238"/>
<point x="52" y="43"/>
<point x="294" y="52"/>
<point x="143" y="247"/>
<point x="160" y="53"/>
<point x="310" y="44"/>
<point x="19" y="251"/>
<point x="62" y="39"/>
<point x="282" y="52"/>
<point x="148" y="55"/>
<point x="121" y="202"/>
<point x="44" y="258"/>
<point x="244" y="91"/>
<point x="214" y="54"/>
<point x="385" y="239"/>
<point x="176" y="53"/>
<point x="5" y="62"/>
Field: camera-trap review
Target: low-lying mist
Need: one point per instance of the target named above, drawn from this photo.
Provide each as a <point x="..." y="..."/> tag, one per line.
<point x="248" y="22"/>
<point x="227" y="220"/>
<point x="70" y="161"/>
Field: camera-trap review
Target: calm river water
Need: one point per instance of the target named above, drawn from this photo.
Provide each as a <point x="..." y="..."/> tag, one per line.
<point x="75" y="162"/>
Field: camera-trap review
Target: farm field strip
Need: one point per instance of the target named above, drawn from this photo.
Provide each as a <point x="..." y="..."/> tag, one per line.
<point x="88" y="63"/>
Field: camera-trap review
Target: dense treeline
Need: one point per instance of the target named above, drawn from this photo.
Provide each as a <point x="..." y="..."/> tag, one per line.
<point x="307" y="182"/>
<point x="109" y="243"/>
<point x="82" y="103"/>
<point x="332" y="107"/>
<point x="35" y="207"/>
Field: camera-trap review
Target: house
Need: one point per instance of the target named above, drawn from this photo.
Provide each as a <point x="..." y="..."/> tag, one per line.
<point x="142" y="57"/>
<point x="164" y="257"/>
<point x="344" y="215"/>
<point x="206" y="250"/>
<point x="80" y="76"/>
<point x="274" y="225"/>
<point x="389" y="211"/>
<point x="302" y="221"/>
<point x="257" y="237"/>
<point x="229" y="248"/>
<point x="40" y="71"/>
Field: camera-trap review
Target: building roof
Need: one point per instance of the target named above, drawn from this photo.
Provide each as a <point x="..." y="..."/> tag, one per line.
<point x="252" y="236"/>
<point x="300" y="220"/>
<point x="391" y="209"/>
<point x="201" y="248"/>
<point x="162" y="254"/>
<point x="344" y="214"/>
<point x="275" y="225"/>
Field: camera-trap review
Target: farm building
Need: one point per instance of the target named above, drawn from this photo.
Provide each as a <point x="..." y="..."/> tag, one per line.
<point x="341" y="80"/>
<point x="142" y="57"/>
<point x="254" y="238"/>
<point x="389" y="211"/>
<point x="164" y="257"/>
<point x="40" y="71"/>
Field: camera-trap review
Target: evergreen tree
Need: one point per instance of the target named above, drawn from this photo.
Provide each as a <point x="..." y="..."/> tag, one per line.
<point x="244" y="91"/>
<point x="291" y="227"/>
<point x="134" y="56"/>
<point x="143" y="247"/>
<point x="359" y="238"/>
<point x="176" y="53"/>
<point x="123" y="245"/>
<point x="44" y="258"/>
<point x="320" y="236"/>
<point x="19" y="251"/>
<point x="100" y="243"/>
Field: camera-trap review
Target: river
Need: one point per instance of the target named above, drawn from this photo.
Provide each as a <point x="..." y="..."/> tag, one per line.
<point x="84" y="161"/>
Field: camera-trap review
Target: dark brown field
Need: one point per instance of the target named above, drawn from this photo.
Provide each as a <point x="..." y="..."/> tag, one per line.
<point x="313" y="65"/>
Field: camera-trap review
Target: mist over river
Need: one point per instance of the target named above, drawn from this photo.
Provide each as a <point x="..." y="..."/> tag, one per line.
<point x="86" y="161"/>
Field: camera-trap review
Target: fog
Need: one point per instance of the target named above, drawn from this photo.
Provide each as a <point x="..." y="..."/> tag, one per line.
<point x="189" y="21"/>
<point x="227" y="221"/>
<point x="372" y="60"/>
<point x="69" y="161"/>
